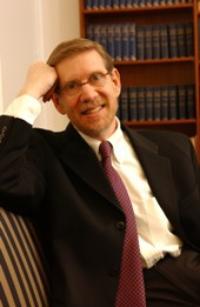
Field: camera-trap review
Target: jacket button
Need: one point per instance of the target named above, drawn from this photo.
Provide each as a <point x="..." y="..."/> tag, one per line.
<point x="120" y="225"/>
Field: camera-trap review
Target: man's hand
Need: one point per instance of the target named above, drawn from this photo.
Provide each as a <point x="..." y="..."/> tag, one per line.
<point x="40" y="80"/>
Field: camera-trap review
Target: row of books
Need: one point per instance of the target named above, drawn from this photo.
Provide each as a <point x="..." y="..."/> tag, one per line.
<point x="129" y="41"/>
<point x="170" y="102"/>
<point x="102" y="4"/>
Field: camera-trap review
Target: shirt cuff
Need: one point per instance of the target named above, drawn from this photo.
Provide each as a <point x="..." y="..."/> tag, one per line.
<point x="24" y="107"/>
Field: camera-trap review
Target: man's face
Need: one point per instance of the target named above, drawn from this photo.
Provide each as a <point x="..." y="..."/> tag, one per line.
<point x="92" y="110"/>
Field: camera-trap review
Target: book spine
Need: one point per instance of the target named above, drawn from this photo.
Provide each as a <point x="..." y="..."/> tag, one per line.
<point x="172" y="102"/>
<point x="157" y="103"/>
<point x="132" y="41"/>
<point x="156" y="41"/>
<point x="148" y="42"/>
<point x="181" y="40"/>
<point x="164" y="42"/>
<point x="118" y="42"/>
<point x="149" y="102"/>
<point x="173" y="48"/>
<point x="190" y="107"/>
<point x="124" y="110"/>
<point x="125" y="42"/>
<point x="110" y="40"/>
<point x="140" y="54"/>
<point x="164" y="103"/>
<point x="141" y="103"/>
<point x="189" y="39"/>
<point x="181" y="101"/>
<point x="133" y="111"/>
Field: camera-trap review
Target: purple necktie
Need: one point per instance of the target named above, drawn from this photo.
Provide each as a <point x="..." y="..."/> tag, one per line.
<point x="131" y="291"/>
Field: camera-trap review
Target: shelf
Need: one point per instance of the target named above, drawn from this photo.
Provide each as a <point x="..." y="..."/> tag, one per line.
<point x="121" y="10"/>
<point x="156" y="61"/>
<point x="187" y="126"/>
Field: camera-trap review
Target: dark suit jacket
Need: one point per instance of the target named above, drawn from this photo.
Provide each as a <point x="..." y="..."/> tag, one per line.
<point x="57" y="177"/>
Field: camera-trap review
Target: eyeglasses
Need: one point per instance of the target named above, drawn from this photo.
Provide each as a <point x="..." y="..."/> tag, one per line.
<point x="72" y="88"/>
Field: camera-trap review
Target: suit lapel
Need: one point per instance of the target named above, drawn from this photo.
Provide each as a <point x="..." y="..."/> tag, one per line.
<point x="78" y="156"/>
<point x="158" y="172"/>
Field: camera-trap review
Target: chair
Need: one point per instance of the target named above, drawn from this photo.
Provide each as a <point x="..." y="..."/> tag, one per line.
<point x="23" y="278"/>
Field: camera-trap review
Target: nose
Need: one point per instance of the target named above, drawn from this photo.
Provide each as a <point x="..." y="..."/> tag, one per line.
<point x="88" y="92"/>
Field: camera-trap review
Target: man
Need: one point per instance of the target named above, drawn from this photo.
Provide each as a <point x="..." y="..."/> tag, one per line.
<point x="58" y="178"/>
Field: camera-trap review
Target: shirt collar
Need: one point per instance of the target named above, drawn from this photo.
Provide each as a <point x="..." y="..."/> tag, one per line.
<point x="117" y="140"/>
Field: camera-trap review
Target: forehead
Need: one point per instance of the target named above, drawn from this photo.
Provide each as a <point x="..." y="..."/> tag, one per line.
<point x="80" y="65"/>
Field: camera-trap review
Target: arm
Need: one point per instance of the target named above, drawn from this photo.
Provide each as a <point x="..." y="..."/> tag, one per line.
<point x="22" y="162"/>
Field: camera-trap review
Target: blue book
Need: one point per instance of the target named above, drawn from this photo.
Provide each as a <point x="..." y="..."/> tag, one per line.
<point x="157" y="103"/>
<point x="97" y="33"/>
<point x="164" y="42"/>
<point x="164" y="103"/>
<point x="149" y="102"/>
<point x="90" y="32"/>
<point x="122" y="3"/>
<point x="173" y="44"/>
<point x="110" y="40"/>
<point x="141" y="103"/>
<point x="181" y="40"/>
<point x="95" y="4"/>
<point x="108" y="4"/>
<point x="156" y="41"/>
<point x="132" y="41"/>
<point x="148" y="42"/>
<point x="125" y="42"/>
<point x="88" y="4"/>
<point x="189" y="39"/>
<point x="116" y="4"/>
<point x="190" y="107"/>
<point x="102" y="4"/>
<point x="133" y="109"/>
<point x="103" y="35"/>
<point x="124" y="108"/>
<point x="129" y="3"/>
<point x="172" y="102"/>
<point x="181" y="89"/>
<point x="118" y="42"/>
<point x="140" y="41"/>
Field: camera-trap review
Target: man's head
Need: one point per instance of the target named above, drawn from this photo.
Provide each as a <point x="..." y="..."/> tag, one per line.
<point x="88" y="86"/>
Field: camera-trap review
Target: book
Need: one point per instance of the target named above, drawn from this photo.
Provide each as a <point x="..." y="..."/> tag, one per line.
<point x="148" y="42"/>
<point x="189" y="39"/>
<point x="164" y="42"/>
<point x="156" y="41"/>
<point x="181" y="40"/>
<point x="117" y="42"/>
<point x="141" y="103"/>
<point x="173" y="46"/>
<point x="172" y="102"/>
<point x="124" y="109"/>
<point x="140" y="39"/>
<point x="157" y="103"/>
<point x="132" y="41"/>
<point x="133" y="109"/>
<point x="190" y="106"/>
<point x="181" y="89"/>
<point x="125" y="42"/>
<point x="164" y="103"/>
<point x="110" y="40"/>
<point x="149" y="102"/>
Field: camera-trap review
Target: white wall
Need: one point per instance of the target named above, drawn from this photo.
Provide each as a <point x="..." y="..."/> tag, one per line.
<point x="29" y="30"/>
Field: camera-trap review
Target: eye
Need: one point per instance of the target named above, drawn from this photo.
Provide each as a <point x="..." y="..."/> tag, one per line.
<point x="71" y="85"/>
<point x="96" y="76"/>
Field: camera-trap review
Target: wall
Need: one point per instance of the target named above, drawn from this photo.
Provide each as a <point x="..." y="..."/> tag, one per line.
<point x="29" y="30"/>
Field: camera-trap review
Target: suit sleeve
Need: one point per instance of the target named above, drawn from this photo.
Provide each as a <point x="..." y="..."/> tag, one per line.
<point x="22" y="166"/>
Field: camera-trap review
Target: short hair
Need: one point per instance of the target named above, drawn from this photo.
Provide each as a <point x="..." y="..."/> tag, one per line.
<point x="76" y="46"/>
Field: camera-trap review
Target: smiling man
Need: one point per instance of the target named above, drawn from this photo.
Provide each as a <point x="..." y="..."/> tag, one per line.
<point x="64" y="181"/>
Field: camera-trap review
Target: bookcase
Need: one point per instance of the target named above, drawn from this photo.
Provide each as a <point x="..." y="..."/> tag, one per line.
<point x="155" y="46"/>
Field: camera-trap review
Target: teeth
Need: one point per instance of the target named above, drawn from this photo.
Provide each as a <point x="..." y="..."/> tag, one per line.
<point x="93" y="110"/>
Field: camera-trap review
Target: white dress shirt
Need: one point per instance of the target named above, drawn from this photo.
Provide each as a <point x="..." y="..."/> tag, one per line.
<point x="154" y="229"/>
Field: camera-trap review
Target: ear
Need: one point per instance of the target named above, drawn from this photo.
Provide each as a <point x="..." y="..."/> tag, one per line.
<point x="115" y="75"/>
<point x="58" y="104"/>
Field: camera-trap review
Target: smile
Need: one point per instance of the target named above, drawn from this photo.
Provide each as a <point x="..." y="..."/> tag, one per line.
<point x="93" y="110"/>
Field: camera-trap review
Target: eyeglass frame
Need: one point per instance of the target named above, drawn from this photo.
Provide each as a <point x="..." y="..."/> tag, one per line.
<point x="80" y="84"/>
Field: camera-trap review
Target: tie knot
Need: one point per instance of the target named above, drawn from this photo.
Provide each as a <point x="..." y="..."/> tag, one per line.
<point x="105" y="149"/>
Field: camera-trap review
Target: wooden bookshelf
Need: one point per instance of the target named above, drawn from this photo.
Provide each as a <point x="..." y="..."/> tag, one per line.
<point x="156" y="72"/>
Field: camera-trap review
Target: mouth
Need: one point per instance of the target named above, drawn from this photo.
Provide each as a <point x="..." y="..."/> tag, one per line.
<point x="92" y="110"/>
